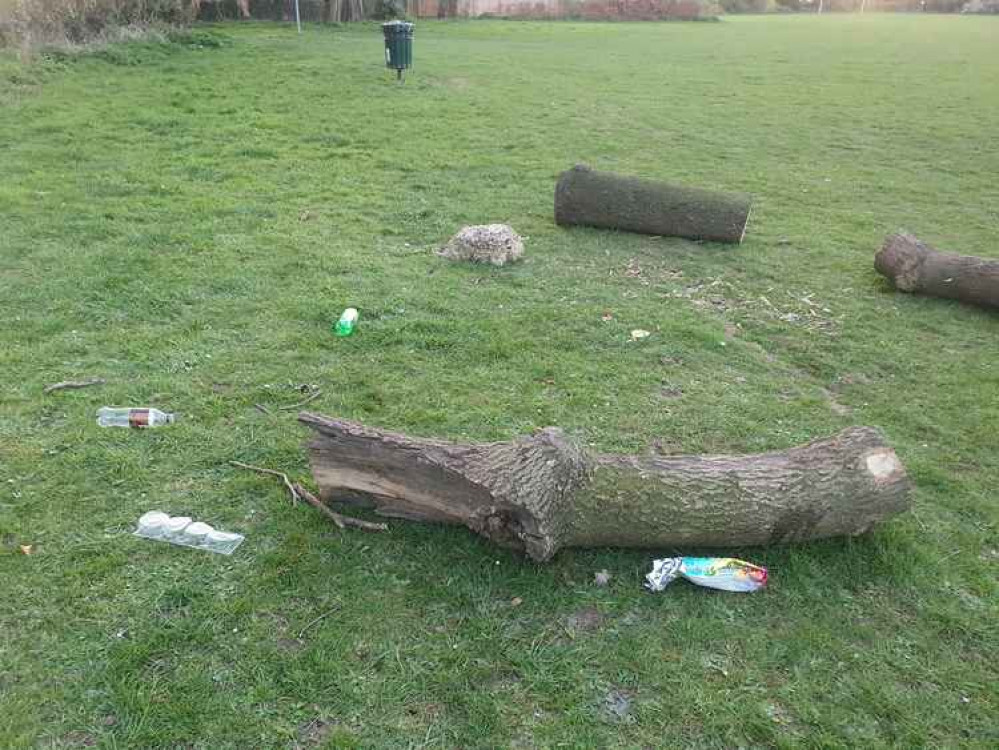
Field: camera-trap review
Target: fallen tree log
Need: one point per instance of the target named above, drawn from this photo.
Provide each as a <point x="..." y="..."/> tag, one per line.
<point x="914" y="266"/>
<point x="544" y="492"/>
<point x="586" y="197"/>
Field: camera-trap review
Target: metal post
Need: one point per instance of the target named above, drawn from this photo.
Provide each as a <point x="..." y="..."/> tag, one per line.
<point x="298" y="17"/>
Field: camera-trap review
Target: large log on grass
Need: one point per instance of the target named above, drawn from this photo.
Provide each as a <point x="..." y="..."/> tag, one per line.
<point x="544" y="492"/>
<point x="914" y="266"/>
<point x="601" y="199"/>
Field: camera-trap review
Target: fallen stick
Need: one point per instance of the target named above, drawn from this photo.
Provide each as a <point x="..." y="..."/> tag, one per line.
<point x="321" y="617"/>
<point x="611" y="201"/>
<point x="544" y="492"/>
<point x="311" y="397"/>
<point x="298" y="492"/>
<point x="914" y="266"/>
<point x="280" y="474"/>
<point x="340" y="520"/>
<point x="73" y="384"/>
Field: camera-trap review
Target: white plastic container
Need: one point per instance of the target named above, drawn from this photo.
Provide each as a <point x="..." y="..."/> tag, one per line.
<point x="184" y="532"/>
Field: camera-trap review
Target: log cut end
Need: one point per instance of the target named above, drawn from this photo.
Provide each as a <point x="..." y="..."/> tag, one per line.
<point x="884" y="465"/>
<point x="901" y="259"/>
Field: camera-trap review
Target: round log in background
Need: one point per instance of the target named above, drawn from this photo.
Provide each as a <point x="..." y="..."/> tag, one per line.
<point x="586" y="197"/>
<point x="914" y="266"/>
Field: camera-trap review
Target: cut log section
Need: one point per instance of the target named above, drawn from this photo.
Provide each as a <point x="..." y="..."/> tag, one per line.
<point x="586" y="197"/>
<point x="544" y="492"/>
<point x="914" y="266"/>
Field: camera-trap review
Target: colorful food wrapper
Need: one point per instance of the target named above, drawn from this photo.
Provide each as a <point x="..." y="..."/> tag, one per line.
<point x="725" y="573"/>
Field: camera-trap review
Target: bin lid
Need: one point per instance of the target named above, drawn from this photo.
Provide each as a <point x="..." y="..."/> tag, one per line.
<point x="398" y="24"/>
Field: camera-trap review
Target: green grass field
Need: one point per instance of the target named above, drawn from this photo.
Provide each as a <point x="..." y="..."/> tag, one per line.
<point x="186" y="221"/>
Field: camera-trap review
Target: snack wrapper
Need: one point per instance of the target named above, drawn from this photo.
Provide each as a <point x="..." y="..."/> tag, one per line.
<point x="725" y="573"/>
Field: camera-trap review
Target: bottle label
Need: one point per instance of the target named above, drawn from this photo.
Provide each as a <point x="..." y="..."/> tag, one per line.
<point x="138" y="418"/>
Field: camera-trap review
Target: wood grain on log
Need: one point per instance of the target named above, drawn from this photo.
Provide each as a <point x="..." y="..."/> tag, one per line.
<point x="544" y="492"/>
<point x="914" y="266"/>
<point x="601" y="199"/>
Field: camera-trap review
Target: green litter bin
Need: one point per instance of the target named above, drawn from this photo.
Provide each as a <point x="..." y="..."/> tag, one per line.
<point x="398" y="45"/>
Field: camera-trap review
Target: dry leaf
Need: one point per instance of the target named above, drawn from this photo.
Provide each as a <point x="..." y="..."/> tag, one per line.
<point x="27" y="549"/>
<point x="601" y="578"/>
<point x="516" y="601"/>
<point x="607" y="317"/>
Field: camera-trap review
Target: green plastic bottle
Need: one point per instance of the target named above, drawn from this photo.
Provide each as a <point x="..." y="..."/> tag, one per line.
<point x="345" y="326"/>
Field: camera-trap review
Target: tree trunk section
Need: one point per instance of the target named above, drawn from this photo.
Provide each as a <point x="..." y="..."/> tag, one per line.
<point x="601" y="199"/>
<point x="914" y="266"/>
<point x="544" y="492"/>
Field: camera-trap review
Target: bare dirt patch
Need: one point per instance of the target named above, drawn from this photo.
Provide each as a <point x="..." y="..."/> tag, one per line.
<point x="585" y="620"/>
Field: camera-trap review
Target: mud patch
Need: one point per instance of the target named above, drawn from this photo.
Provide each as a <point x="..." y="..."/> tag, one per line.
<point x="289" y="645"/>
<point x="313" y="733"/>
<point x="667" y="447"/>
<point x="835" y="406"/>
<point x="78" y="738"/>
<point x="585" y="620"/>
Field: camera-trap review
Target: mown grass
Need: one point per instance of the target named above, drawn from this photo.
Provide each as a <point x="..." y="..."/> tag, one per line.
<point x="188" y="225"/>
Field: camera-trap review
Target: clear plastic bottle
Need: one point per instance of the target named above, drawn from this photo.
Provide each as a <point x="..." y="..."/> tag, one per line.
<point x="110" y="417"/>
<point x="345" y="326"/>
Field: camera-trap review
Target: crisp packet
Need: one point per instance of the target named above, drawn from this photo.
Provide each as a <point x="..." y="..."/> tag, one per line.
<point x="725" y="573"/>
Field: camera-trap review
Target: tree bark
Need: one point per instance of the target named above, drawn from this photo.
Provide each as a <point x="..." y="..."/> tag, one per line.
<point x="914" y="266"/>
<point x="543" y="492"/>
<point x="601" y="199"/>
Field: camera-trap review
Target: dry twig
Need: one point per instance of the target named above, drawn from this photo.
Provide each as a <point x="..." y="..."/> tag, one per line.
<point x="321" y="617"/>
<point x="73" y="384"/>
<point x="311" y="397"/>
<point x="339" y="520"/>
<point x="298" y="492"/>
<point x="284" y="477"/>
<point x="261" y="408"/>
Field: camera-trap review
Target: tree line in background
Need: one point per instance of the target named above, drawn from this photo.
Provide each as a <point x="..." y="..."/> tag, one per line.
<point x="326" y="11"/>
<point x="37" y="23"/>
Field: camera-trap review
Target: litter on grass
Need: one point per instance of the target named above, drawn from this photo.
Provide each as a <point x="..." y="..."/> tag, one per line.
<point x="347" y="322"/>
<point x="184" y="532"/>
<point x="137" y="418"/>
<point x="724" y="573"/>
